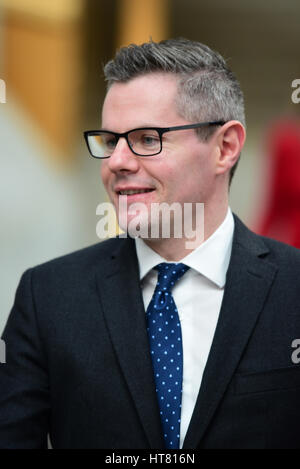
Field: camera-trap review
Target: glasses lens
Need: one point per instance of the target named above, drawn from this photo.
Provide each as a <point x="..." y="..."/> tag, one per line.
<point x="145" y="142"/>
<point x="102" y="145"/>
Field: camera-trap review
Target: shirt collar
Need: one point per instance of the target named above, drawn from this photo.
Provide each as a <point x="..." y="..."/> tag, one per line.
<point x="210" y="259"/>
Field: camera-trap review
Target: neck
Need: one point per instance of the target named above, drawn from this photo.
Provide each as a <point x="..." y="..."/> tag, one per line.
<point x="174" y="249"/>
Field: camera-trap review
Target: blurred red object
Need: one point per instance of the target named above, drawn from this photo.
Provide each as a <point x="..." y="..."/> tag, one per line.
<point x="281" y="217"/>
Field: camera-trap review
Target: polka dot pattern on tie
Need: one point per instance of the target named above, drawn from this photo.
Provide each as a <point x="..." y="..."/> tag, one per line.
<point x="164" y="331"/>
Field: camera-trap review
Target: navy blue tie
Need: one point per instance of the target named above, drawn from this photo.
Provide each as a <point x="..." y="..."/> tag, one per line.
<point x="164" y="331"/>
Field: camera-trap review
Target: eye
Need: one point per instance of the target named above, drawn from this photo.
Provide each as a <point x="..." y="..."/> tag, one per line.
<point x="145" y="141"/>
<point x="109" y="141"/>
<point x="149" y="140"/>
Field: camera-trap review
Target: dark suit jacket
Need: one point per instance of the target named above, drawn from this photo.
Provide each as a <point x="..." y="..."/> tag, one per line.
<point x="78" y="365"/>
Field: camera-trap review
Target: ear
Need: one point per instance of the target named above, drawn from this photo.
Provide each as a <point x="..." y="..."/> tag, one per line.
<point x="230" y="141"/>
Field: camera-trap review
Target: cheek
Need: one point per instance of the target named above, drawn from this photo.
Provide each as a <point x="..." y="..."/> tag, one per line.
<point x="190" y="182"/>
<point x="104" y="172"/>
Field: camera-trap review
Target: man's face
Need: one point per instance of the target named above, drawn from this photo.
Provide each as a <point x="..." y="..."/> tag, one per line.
<point x="183" y="172"/>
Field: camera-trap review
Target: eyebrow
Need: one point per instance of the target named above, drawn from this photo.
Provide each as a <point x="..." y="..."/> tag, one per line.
<point x="141" y="126"/>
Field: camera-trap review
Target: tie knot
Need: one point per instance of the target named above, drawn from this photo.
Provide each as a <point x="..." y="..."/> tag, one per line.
<point x="169" y="273"/>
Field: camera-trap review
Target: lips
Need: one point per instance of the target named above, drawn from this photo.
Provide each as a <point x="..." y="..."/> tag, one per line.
<point x="133" y="191"/>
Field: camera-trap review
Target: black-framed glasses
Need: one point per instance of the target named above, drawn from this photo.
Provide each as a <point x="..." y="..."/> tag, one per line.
<point x="145" y="141"/>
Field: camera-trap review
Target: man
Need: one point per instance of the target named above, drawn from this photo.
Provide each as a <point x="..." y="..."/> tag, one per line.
<point x="149" y="343"/>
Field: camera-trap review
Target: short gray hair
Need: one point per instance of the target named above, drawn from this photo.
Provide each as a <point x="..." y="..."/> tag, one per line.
<point x="207" y="89"/>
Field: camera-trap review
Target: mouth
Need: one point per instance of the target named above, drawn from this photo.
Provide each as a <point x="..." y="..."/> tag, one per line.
<point x="134" y="191"/>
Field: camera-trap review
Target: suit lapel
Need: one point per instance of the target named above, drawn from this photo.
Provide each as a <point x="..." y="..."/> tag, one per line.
<point x="248" y="281"/>
<point x="121" y="298"/>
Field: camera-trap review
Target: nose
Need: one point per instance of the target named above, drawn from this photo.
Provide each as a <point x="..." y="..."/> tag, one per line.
<point x="122" y="158"/>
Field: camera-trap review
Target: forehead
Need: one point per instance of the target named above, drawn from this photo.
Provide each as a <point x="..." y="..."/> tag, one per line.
<point x="144" y="100"/>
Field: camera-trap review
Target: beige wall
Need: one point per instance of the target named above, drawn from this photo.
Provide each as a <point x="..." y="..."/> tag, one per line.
<point x="42" y="63"/>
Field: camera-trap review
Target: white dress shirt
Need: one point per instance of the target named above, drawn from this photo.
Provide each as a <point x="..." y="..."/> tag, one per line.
<point x="198" y="296"/>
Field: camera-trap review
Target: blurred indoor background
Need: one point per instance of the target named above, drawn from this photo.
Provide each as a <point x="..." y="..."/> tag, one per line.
<point x="51" y="56"/>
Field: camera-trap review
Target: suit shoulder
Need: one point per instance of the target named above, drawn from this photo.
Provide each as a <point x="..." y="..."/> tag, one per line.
<point x="286" y="257"/>
<point x="282" y="250"/>
<point x="82" y="258"/>
<point x="263" y="246"/>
